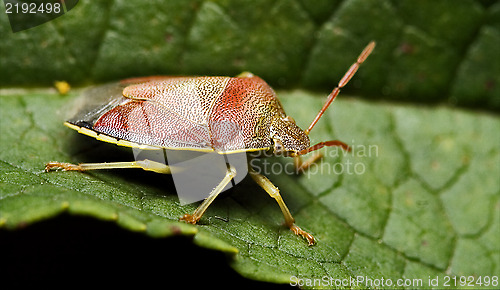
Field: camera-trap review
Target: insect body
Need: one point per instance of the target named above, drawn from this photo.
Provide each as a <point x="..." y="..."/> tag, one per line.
<point x="225" y="115"/>
<point x="221" y="114"/>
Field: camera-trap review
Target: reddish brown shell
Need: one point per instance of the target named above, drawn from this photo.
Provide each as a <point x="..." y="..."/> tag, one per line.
<point x="225" y="114"/>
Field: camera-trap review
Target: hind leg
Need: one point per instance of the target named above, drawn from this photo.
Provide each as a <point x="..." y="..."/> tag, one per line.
<point x="144" y="164"/>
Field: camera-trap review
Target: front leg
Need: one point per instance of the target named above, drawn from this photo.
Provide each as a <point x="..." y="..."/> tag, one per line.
<point x="273" y="191"/>
<point x="302" y="166"/>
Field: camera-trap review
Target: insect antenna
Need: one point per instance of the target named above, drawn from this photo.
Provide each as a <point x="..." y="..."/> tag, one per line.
<point x="345" y="79"/>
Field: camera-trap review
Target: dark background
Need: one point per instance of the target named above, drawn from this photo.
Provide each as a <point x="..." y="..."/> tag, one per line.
<point x="75" y="251"/>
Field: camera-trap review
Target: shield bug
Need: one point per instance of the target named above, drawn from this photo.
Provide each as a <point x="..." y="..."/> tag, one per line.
<point x="225" y="115"/>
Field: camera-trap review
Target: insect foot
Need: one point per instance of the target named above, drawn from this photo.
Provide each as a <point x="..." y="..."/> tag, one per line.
<point x="300" y="232"/>
<point x="54" y="165"/>
<point x="189" y="219"/>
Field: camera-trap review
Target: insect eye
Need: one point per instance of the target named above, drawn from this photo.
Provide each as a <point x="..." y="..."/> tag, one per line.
<point x="278" y="146"/>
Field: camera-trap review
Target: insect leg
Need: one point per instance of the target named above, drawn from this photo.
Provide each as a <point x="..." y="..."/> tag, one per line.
<point x="144" y="164"/>
<point x="273" y="191"/>
<point x="198" y="213"/>
<point x="301" y="166"/>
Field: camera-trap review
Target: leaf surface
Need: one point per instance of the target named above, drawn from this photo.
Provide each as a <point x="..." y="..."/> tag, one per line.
<point x="417" y="196"/>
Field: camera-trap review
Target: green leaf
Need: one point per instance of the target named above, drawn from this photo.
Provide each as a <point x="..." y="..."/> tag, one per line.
<point x="416" y="198"/>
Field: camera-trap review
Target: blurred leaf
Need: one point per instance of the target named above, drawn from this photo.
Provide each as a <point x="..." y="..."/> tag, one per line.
<point x="428" y="51"/>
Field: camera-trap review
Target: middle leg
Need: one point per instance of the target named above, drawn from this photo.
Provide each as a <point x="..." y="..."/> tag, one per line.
<point x="198" y="213"/>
